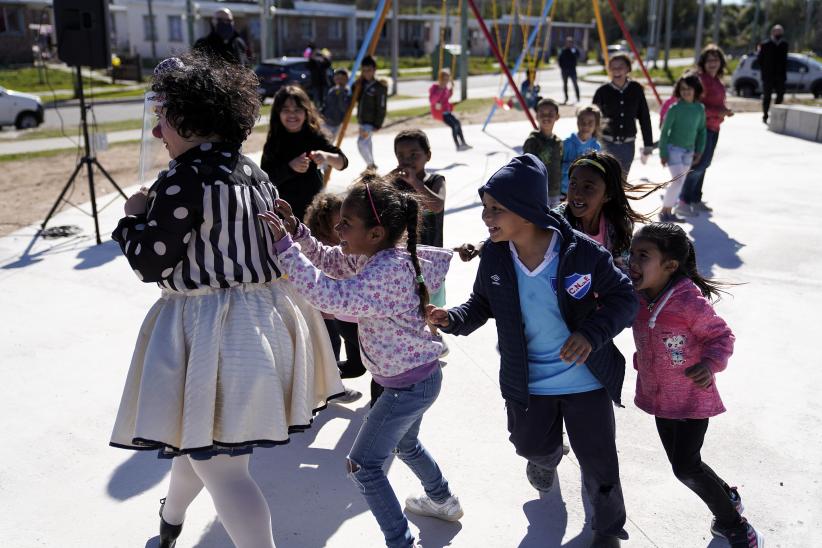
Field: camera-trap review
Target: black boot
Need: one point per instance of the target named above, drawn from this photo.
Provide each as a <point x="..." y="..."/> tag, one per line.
<point x="168" y="532"/>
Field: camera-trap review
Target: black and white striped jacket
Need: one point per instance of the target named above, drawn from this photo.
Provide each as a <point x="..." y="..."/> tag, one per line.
<point x="200" y="228"/>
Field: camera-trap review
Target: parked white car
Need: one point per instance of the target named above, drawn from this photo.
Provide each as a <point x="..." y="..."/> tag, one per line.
<point x="804" y="76"/>
<point x="22" y="110"/>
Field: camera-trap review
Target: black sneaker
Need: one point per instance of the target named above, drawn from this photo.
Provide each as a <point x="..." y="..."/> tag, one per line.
<point x="541" y="479"/>
<point x="741" y="535"/>
<point x="604" y="541"/>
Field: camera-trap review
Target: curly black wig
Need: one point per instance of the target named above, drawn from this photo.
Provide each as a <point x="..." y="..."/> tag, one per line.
<point x="205" y="96"/>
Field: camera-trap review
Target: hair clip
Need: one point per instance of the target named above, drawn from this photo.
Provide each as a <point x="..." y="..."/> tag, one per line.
<point x="419" y="279"/>
<point x="373" y="207"/>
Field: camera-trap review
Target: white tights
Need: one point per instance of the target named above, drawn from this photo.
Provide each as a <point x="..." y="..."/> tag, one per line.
<point x="240" y="504"/>
<point x="678" y="172"/>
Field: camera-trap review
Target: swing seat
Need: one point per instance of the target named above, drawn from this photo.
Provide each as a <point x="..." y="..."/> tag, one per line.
<point x="501" y="103"/>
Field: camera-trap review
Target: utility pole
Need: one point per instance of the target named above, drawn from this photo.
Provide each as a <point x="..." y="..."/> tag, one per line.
<point x="755" y="26"/>
<point x="395" y="45"/>
<point x="463" y="53"/>
<point x="190" y="22"/>
<point x="700" y="22"/>
<point x="652" y="10"/>
<point x="717" y="21"/>
<point x="658" y="28"/>
<point x="153" y="35"/>
<point x="669" y="16"/>
<point x="808" y="17"/>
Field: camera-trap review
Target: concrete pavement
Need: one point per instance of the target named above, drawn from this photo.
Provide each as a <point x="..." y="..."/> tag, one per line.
<point x="71" y="311"/>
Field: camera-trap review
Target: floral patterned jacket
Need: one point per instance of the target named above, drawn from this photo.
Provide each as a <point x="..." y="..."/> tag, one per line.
<point x="380" y="291"/>
<point x="679" y="330"/>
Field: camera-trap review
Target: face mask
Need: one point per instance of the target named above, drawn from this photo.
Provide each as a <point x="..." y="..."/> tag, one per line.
<point x="225" y="29"/>
<point x="777" y="37"/>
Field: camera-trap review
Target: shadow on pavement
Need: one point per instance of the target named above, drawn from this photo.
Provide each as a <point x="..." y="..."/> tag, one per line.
<point x="434" y="533"/>
<point x="714" y="247"/>
<point x="98" y="255"/>
<point x="307" y="488"/>
<point x="137" y="474"/>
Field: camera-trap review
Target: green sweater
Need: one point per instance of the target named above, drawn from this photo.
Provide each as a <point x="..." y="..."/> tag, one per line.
<point x="549" y="150"/>
<point x="684" y="127"/>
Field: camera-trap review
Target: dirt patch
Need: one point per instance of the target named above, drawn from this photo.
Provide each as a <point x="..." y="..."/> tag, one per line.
<point x="31" y="186"/>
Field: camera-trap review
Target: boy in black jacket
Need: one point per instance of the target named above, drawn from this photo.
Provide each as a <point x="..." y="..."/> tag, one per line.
<point x="558" y="301"/>
<point x="371" y="108"/>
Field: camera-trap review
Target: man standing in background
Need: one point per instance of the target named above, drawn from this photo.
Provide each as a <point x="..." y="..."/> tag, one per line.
<point x="773" y="63"/>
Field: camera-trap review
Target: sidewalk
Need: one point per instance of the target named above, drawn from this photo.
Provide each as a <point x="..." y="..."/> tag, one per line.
<point x="72" y="310"/>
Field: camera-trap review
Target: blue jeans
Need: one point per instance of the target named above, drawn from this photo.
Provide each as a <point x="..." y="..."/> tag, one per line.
<point x="393" y="425"/>
<point x="624" y="152"/>
<point x="692" y="190"/>
<point x="364" y="143"/>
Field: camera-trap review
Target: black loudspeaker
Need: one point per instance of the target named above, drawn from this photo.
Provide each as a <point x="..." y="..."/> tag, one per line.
<point x="83" y="32"/>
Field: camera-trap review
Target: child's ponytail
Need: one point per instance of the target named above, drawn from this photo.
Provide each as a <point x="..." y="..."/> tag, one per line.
<point x="412" y="209"/>
<point x="673" y="244"/>
<point x="710" y="289"/>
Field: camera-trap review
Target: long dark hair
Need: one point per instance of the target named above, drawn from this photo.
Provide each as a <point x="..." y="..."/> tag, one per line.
<point x="399" y="215"/>
<point x="673" y="243"/>
<point x="276" y="130"/>
<point x="617" y="209"/>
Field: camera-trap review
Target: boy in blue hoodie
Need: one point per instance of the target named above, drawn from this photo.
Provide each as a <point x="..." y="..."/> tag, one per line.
<point x="558" y="301"/>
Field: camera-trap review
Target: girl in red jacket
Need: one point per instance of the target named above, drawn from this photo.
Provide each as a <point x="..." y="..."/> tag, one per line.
<point x="680" y="344"/>
<point x="439" y="95"/>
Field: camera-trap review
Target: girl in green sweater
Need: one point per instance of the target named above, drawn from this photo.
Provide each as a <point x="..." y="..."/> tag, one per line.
<point x="682" y="140"/>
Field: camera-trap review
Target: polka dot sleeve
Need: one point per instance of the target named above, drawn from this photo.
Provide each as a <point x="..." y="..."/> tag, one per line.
<point x="154" y="243"/>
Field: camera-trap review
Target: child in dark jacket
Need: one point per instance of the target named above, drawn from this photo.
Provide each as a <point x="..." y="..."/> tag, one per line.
<point x="371" y="108"/>
<point x="336" y="102"/>
<point x="296" y="148"/>
<point x="563" y="289"/>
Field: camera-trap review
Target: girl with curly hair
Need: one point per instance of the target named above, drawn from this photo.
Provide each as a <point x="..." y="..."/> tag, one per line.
<point x="296" y="149"/>
<point x="230" y="358"/>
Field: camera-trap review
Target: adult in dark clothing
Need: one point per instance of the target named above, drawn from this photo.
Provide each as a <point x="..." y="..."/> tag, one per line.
<point x="297" y="148"/>
<point x="319" y="65"/>
<point x="622" y="102"/>
<point x="773" y="64"/>
<point x="568" y="58"/>
<point x="223" y="41"/>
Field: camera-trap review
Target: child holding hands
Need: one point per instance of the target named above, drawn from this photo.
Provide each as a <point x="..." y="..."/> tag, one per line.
<point x="681" y="344"/>
<point x="386" y="287"/>
<point x="558" y="301"/>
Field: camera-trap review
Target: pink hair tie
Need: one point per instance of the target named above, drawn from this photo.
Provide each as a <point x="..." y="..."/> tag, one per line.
<point x="373" y="207"/>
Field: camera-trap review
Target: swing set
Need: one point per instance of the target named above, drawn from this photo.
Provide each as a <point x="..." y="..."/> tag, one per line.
<point x="532" y="59"/>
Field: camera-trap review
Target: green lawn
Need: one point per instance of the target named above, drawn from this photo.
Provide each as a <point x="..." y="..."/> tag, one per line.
<point x="29" y="79"/>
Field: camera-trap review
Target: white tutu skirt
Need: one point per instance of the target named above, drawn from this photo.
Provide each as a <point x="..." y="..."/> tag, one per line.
<point x="226" y="370"/>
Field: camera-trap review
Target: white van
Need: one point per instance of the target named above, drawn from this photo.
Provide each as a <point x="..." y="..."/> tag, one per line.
<point x="22" y="110"/>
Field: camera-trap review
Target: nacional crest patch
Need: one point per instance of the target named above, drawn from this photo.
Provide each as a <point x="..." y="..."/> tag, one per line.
<point x="578" y="285"/>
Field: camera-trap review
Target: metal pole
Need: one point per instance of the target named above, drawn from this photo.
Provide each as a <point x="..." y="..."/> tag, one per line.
<point x="369" y="34"/>
<point x="660" y="12"/>
<point x="89" y="155"/>
<point x="700" y="22"/>
<point x="717" y="21"/>
<point x="190" y="21"/>
<point x="395" y="46"/>
<point x="669" y="16"/>
<point x="755" y="26"/>
<point x="463" y="54"/>
<point x="652" y="9"/>
<point x="153" y="32"/>
<point x="263" y="29"/>
<point x="808" y="16"/>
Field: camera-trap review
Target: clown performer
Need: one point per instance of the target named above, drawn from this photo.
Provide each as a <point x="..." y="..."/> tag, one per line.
<point x="229" y="358"/>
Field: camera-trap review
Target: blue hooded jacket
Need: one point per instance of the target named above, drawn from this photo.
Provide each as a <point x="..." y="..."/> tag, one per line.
<point x="595" y="298"/>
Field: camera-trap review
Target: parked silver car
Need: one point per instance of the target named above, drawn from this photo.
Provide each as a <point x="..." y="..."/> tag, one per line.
<point x="804" y="76"/>
<point x="22" y="110"/>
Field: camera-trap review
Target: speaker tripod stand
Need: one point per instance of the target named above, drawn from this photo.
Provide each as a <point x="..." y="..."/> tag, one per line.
<point x="88" y="160"/>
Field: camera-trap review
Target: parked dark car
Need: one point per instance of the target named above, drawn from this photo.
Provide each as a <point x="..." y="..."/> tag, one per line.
<point x="275" y="73"/>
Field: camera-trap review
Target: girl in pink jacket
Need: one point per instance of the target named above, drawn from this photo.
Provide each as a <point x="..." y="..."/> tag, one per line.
<point x="439" y="95"/>
<point x="680" y="344"/>
<point x="386" y="288"/>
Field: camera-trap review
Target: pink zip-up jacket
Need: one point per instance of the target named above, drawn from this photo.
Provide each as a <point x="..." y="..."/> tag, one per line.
<point x="680" y="330"/>
<point x="439" y="97"/>
<point x="380" y="291"/>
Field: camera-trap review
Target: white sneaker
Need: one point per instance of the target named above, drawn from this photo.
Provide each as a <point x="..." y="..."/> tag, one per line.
<point x="685" y="210"/>
<point x="450" y="510"/>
